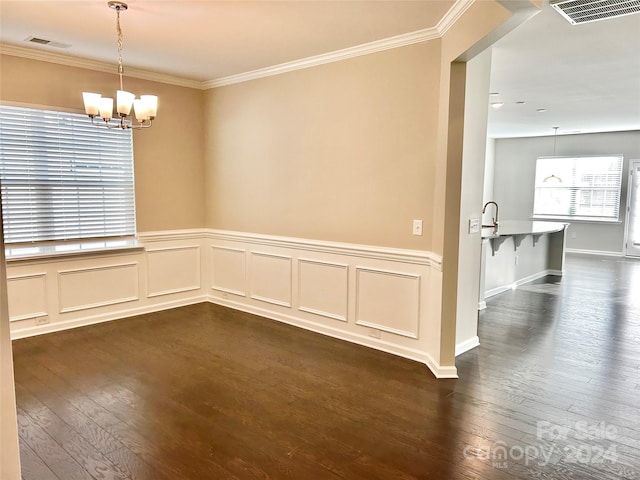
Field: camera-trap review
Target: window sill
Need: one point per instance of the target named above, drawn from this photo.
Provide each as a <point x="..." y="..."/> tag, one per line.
<point x="57" y="250"/>
<point x="577" y="220"/>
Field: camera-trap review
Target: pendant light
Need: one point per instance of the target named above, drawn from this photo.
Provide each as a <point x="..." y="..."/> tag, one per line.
<point x="552" y="178"/>
<point x="145" y="107"/>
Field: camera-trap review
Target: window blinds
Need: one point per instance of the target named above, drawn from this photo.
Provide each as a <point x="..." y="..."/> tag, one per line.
<point x="590" y="187"/>
<point x="63" y="178"/>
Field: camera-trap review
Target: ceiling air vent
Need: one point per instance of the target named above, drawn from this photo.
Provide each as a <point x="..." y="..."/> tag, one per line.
<point x="585" y="11"/>
<point x="48" y="43"/>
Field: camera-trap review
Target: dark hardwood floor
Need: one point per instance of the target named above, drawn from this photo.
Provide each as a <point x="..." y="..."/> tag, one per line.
<point x="204" y="392"/>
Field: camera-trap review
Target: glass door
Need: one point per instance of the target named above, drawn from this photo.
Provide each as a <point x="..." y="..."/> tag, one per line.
<point x="633" y="213"/>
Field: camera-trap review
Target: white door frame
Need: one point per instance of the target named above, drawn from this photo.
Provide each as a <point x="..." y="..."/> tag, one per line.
<point x="634" y="166"/>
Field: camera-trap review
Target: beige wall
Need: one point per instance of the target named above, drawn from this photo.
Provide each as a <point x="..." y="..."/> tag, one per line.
<point x="339" y="152"/>
<point x="169" y="159"/>
<point x="9" y="452"/>
<point x="352" y="151"/>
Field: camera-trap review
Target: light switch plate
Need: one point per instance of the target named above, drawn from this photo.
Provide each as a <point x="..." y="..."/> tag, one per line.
<point x="474" y="225"/>
<point x="417" y="227"/>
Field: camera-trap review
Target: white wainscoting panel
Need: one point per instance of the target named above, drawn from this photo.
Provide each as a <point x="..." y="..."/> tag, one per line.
<point x="384" y="298"/>
<point x="28" y="294"/>
<point x="271" y="278"/>
<point x="229" y="270"/>
<point x="85" y="288"/>
<point x="323" y="288"/>
<point x="337" y="289"/>
<point x="388" y="301"/>
<point x="173" y="270"/>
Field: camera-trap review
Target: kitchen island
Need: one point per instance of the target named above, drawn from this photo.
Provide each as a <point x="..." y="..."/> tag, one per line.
<point x="518" y="252"/>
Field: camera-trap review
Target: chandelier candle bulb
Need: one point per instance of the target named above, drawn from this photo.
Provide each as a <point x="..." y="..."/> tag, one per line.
<point x="91" y="103"/>
<point x="106" y="108"/>
<point x="151" y="105"/>
<point x="138" y="109"/>
<point x="125" y="102"/>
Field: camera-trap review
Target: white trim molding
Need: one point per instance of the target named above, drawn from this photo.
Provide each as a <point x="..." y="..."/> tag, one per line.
<point x="69" y="61"/>
<point x="606" y="253"/>
<point x="518" y="283"/>
<point x="397" y="41"/>
<point x="379" y="297"/>
<point x="419" y="257"/>
<point x="467" y="345"/>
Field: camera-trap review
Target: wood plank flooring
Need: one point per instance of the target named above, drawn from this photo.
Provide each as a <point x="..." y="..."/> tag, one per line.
<point x="204" y="392"/>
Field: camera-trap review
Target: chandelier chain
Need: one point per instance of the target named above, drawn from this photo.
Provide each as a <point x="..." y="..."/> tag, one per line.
<point x="120" y="46"/>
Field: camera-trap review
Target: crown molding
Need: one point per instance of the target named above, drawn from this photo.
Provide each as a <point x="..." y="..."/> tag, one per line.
<point x="52" y="57"/>
<point x="335" y="56"/>
<point x="453" y="15"/>
<point x="419" y="36"/>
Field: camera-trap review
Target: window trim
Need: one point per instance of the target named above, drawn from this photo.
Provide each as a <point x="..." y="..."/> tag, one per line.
<point x="43" y="251"/>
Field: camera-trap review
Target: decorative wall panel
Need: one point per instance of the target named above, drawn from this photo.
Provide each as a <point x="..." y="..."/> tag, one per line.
<point x="173" y="270"/>
<point x="388" y="301"/>
<point x="323" y="288"/>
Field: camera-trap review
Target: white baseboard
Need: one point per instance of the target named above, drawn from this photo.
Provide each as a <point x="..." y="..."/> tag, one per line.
<point x="106" y="317"/>
<point x="522" y="281"/>
<point x="377" y="344"/>
<point x="555" y="273"/>
<point x="467" y="345"/>
<point x="605" y="253"/>
<point x="497" y="290"/>
<point x="535" y="276"/>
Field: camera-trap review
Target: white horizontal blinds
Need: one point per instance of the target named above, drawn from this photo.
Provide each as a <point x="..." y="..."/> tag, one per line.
<point x="64" y="178"/>
<point x="590" y="187"/>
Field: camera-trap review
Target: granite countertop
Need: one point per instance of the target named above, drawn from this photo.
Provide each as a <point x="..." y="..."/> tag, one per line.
<point x="522" y="227"/>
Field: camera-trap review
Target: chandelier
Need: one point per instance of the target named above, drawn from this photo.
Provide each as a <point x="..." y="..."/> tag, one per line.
<point x="553" y="178"/>
<point x="95" y="105"/>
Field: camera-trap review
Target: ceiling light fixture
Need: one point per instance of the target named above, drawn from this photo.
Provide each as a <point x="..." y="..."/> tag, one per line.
<point x="145" y="107"/>
<point x="496" y="105"/>
<point x="552" y="178"/>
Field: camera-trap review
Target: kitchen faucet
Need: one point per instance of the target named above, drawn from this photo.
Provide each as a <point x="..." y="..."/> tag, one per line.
<point x="495" y="220"/>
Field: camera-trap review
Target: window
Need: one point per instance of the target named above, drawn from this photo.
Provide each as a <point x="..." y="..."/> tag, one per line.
<point x="63" y="178"/>
<point x="589" y="190"/>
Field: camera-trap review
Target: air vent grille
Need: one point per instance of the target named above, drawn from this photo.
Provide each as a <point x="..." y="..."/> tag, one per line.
<point x="44" y="41"/>
<point x="585" y="11"/>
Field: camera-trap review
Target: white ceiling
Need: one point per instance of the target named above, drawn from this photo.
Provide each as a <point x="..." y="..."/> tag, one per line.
<point x="206" y="40"/>
<point x="587" y="76"/>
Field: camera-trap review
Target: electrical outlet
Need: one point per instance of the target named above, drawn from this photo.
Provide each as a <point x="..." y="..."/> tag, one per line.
<point x="474" y="225"/>
<point x="42" y="320"/>
<point x="573" y="235"/>
<point x="374" y="332"/>
<point x="225" y="295"/>
<point x="417" y="227"/>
